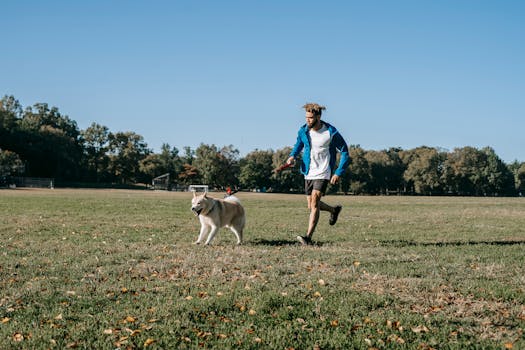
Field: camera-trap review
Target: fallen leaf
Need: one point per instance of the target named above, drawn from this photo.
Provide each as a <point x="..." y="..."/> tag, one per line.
<point x="334" y="323"/>
<point x="252" y="312"/>
<point x="148" y="342"/>
<point x="18" y="337"/>
<point x="420" y="329"/>
<point x="108" y="331"/>
<point x="5" y="320"/>
<point x="321" y="282"/>
<point x="509" y="345"/>
<point x="395" y="339"/>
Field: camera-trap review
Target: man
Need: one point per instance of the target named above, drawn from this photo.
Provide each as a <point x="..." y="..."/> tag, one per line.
<point x="320" y="142"/>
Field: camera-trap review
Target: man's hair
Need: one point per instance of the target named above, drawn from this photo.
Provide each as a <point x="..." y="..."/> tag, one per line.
<point x="314" y="108"/>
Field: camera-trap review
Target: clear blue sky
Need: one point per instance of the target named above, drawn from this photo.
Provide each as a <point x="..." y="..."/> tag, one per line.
<point x="391" y="73"/>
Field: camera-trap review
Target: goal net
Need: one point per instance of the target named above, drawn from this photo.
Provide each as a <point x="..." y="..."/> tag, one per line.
<point x="34" y="182"/>
<point x="161" y="182"/>
<point x="198" y="188"/>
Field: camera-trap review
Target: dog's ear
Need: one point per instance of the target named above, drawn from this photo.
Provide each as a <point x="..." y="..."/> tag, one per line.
<point x="205" y="194"/>
<point x="194" y="194"/>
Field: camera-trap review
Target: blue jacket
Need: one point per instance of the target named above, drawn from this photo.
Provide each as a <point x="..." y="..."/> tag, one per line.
<point x="337" y="143"/>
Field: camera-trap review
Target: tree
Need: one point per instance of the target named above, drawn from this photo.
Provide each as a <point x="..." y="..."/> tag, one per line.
<point x="359" y="169"/>
<point x="288" y="180"/>
<point x="424" y="169"/>
<point x="469" y="171"/>
<point x="10" y="163"/>
<point x="189" y="175"/>
<point x="229" y="157"/>
<point x="49" y="142"/>
<point x="520" y="179"/>
<point x="127" y="149"/>
<point x="189" y="155"/>
<point x="386" y="170"/>
<point x="96" y="145"/>
<point x="499" y="180"/>
<point x="151" y="166"/>
<point x="166" y="162"/>
<point x="256" y="169"/>
<point x="10" y="112"/>
<point x="218" y="168"/>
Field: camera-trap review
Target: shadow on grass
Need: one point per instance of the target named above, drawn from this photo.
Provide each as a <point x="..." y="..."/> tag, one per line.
<point x="407" y="243"/>
<point x="281" y="242"/>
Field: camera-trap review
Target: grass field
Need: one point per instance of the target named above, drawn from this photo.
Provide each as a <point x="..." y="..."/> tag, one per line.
<point x="117" y="269"/>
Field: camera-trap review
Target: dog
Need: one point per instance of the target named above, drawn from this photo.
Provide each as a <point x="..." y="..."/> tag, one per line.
<point x="216" y="213"/>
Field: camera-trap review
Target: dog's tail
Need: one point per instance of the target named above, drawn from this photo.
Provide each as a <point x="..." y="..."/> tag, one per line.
<point x="232" y="199"/>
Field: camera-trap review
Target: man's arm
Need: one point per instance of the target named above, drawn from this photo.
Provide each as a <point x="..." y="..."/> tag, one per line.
<point x="297" y="148"/>
<point x="344" y="160"/>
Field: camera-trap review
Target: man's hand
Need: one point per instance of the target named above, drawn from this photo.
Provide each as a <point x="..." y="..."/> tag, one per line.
<point x="334" y="179"/>
<point x="290" y="161"/>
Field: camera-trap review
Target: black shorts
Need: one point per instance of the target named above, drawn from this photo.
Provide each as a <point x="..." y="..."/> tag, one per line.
<point x="318" y="184"/>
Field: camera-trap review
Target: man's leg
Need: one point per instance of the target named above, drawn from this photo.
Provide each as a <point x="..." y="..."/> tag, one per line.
<point x="314" y="204"/>
<point x="334" y="211"/>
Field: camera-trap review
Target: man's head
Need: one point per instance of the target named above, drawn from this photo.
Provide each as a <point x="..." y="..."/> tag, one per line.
<point x="313" y="115"/>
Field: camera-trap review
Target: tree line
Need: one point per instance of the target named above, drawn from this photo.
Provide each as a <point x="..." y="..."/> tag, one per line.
<point x="39" y="141"/>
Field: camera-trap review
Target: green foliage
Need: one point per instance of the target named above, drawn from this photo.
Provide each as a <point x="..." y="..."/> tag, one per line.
<point x="10" y="163"/>
<point x="218" y="168"/>
<point x="520" y="178"/>
<point x="126" y="149"/>
<point x="289" y="180"/>
<point x="50" y="144"/>
<point x="96" y="146"/>
<point x="256" y="170"/>
<point x="424" y="170"/>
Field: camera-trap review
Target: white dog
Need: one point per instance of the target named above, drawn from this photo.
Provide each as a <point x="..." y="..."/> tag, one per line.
<point x="216" y="213"/>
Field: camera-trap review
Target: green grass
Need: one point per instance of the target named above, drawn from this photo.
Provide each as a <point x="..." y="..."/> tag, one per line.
<point x="117" y="269"/>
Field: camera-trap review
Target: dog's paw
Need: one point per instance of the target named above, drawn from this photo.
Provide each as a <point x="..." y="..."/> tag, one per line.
<point x="196" y="242"/>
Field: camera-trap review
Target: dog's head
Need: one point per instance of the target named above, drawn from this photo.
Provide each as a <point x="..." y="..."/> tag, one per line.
<point x="200" y="203"/>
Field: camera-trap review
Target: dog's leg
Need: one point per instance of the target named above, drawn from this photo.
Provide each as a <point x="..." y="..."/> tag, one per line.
<point x="202" y="233"/>
<point x="213" y="231"/>
<point x="238" y="233"/>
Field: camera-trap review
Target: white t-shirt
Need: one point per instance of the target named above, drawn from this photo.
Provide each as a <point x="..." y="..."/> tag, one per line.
<point x="319" y="154"/>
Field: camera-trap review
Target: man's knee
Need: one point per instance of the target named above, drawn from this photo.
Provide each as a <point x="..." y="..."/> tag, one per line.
<point x="314" y="199"/>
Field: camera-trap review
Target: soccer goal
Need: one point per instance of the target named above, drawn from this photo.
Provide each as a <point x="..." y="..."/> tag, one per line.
<point x="34" y="182"/>
<point x="161" y="182"/>
<point x="198" y="188"/>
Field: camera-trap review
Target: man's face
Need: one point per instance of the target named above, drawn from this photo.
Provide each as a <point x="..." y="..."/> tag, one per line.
<point x="312" y="120"/>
